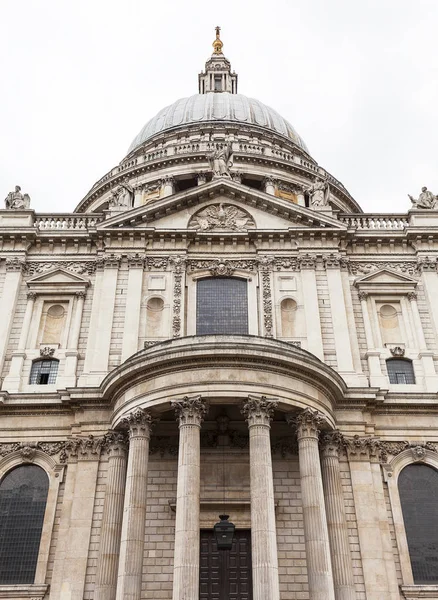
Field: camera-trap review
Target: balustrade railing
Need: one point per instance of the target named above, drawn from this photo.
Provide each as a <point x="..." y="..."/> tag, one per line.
<point x="376" y="222"/>
<point x="67" y="222"/>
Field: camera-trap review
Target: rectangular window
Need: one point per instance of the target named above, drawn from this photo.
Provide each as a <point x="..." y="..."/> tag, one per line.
<point x="222" y="306"/>
<point x="218" y="83"/>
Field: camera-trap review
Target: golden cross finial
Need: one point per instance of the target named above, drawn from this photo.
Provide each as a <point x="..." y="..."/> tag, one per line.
<point x="217" y="44"/>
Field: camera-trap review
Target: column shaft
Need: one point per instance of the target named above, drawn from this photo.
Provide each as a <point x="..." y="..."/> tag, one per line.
<point x="319" y="568"/>
<point x="336" y="519"/>
<point x="258" y="412"/>
<point x="107" y="562"/>
<point x="134" y="509"/>
<point x="190" y="412"/>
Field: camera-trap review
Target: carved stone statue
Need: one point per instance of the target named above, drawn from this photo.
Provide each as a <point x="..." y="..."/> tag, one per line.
<point x="319" y="193"/>
<point x="226" y="217"/>
<point x="221" y="160"/>
<point x="16" y="200"/>
<point x="122" y="196"/>
<point x="425" y="200"/>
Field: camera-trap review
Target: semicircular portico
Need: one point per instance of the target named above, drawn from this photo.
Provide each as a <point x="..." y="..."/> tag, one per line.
<point x="223" y="370"/>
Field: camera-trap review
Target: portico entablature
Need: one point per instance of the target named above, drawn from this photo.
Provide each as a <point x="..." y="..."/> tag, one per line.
<point x="227" y="369"/>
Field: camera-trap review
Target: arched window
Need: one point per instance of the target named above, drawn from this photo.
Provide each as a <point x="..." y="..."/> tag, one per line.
<point x="44" y="372"/>
<point x="400" y="370"/>
<point x="418" y="489"/>
<point x="23" y="497"/>
<point x="222" y="306"/>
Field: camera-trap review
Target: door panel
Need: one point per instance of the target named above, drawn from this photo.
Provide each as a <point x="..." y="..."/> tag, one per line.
<point x="226" y="574"/>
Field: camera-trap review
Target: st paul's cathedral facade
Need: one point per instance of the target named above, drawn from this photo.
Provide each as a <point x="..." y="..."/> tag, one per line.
<point x="219" y="376"/>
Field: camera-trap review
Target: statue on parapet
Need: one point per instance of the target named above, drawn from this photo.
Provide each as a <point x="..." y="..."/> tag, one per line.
<point x="221" y="160"/>
<point x="319" y="193"/>
<point x="16" y="200"/>
<point x="425" y="200"/>
<point x="122" y="196"/>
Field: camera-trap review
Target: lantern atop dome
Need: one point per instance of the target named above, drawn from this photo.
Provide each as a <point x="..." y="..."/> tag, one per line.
<point x="217" y="44"/>
<point x="217" y="77"/>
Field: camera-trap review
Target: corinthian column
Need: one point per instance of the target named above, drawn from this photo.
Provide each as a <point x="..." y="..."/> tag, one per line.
<point x="319" y="568"/>
<point x="336" y="518"/>
<point x="190" y="413"/>
<point x="107" y="561"/>
<point x="134" y="509"/>
<point x="258" y="413"/>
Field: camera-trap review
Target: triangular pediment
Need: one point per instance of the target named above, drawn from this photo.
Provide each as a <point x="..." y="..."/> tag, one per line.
<point x="59" y="278"/>
<point x="387" y="280"/>
<point x="161" y="213"/>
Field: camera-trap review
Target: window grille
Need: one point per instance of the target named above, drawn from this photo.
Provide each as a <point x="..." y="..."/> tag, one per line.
<point x="23" y="497"/>
<point x="400" y="371"/>
<point x="44" y="372"/>
<point x="418" y="489"/>
<point x="222" y="306"/>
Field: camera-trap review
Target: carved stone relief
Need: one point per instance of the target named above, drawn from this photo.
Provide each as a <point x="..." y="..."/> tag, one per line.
<point x="222" y="217"/>
<point x="35" y="268"/>
<point x="179" y="266"/>
<point x="409" y="268"/>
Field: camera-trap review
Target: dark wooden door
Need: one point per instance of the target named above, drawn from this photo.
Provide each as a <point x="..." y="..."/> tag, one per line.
<point x="225" y="574"/>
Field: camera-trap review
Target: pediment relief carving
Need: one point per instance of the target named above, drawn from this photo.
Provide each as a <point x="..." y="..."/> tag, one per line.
<point x="221" y="217"/>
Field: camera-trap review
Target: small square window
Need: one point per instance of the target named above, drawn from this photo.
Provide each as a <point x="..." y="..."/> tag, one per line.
<point x="44" y="372"/>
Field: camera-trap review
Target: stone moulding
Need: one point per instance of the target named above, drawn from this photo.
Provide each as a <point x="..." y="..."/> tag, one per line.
<point x="23" y="592"/>
<point x="420" y="592"/>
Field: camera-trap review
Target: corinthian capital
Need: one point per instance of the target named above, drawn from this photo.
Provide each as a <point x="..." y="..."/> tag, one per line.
<point x="190" y="411"/>
<point x="115" y="443"/>
<point x="308" y="423"/>
<point x="331" y="443"/>
<point x="139" y="423"/>
<point x="259" y="410"/>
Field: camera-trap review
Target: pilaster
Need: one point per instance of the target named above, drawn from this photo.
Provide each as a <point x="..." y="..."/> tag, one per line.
<point x="8" y="303"/>
<point x="101" y="322"/>
<point x="76" y="520"/>
<point x="368" y="518"/>
<point x="71" y="355"/>
<point x="132" y="310"/>
<point x="344" y="354"/>
<point x="12" y="381"/>
<point x="342" y="565"/>
<point x="426" y="356"/>
<point x="311" y="307"/>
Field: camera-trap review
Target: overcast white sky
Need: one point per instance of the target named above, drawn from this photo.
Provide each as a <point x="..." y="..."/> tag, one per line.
<point x="358" y="81"/>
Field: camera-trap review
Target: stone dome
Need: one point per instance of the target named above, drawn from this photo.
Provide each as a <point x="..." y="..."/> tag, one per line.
<point x="213" y="108"/>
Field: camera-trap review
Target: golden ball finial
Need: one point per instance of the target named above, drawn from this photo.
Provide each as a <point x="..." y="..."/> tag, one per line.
<point x="217" y="44"/>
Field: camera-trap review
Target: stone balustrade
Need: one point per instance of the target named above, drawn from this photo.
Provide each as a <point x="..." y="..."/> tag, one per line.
<point x="68" y="222"/>
<point x="380" y="222"/>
